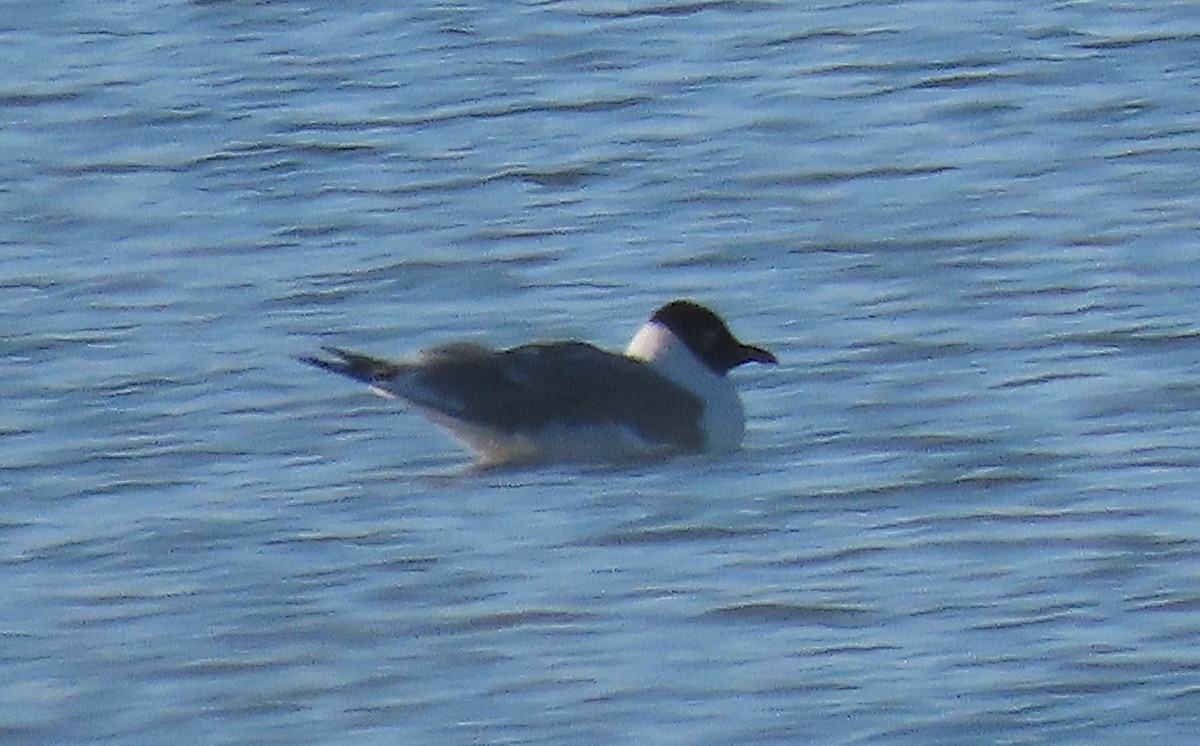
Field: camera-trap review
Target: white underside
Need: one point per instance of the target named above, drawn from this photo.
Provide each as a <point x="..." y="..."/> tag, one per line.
<point x="555" y="443"/>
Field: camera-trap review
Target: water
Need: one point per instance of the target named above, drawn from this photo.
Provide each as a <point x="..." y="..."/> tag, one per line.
<point x="965" y="512"/>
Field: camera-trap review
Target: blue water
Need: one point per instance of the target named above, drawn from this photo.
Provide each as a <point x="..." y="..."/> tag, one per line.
<point x="966" y="510"/>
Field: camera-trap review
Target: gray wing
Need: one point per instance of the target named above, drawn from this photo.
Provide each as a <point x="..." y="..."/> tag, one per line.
<point x="535" y="386"/>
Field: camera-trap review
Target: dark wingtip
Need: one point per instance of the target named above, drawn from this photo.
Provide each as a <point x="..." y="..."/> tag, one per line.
<point x="351" y="364"/>
<point x="339" y="361"/>
<point x="318" y="362"/>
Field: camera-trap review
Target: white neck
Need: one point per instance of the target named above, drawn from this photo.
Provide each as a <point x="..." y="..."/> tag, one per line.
<point x="724" y="419"/>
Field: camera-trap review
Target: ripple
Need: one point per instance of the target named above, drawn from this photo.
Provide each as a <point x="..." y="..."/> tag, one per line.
<point x="774" y="613"/>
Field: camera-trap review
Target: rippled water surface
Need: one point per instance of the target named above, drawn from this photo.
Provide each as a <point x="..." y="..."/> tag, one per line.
<point x="966" y="511"/>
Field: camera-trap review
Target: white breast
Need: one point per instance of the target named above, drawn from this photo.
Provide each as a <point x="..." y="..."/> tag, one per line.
<point x="724" y="418"/>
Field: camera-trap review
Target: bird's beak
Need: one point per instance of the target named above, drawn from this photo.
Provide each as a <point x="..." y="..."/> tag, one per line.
<point x="752" y="354"/>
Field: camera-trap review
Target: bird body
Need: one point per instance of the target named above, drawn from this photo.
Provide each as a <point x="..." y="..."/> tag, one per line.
<point x="572" y="401"/>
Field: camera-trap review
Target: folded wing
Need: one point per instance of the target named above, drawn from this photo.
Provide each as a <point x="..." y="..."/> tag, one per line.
<point x="536" y="386"/>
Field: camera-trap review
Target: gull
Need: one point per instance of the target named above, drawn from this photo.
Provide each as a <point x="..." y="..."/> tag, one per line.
<point x="668" y="393"/>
